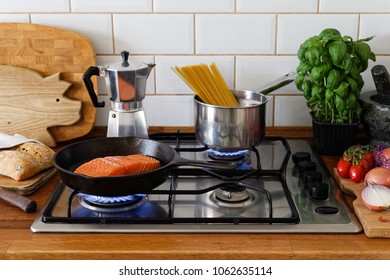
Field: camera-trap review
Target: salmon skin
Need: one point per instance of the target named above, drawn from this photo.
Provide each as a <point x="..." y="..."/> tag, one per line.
<point x="118" y="165"/>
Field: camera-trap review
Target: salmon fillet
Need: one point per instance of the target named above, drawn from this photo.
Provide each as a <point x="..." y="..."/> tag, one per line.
<point x="118" y="165"/>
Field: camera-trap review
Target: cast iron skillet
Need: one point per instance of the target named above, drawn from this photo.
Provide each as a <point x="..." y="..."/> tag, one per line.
<point x="69" y="158"/>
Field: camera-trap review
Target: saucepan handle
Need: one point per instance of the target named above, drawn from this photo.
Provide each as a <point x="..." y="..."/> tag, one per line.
<point x="278" y="83"/>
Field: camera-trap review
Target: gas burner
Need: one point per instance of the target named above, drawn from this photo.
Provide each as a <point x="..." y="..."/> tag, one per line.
<point x="227" y="155"/>
<point x="112" y="204"/>
<point x="232" y="195"/>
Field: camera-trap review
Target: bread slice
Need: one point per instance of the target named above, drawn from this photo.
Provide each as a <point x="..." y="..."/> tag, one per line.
<point x="25" y="160"/>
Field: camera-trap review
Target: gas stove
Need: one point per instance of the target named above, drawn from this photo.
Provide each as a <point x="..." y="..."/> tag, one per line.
<point x="280" y="186"/>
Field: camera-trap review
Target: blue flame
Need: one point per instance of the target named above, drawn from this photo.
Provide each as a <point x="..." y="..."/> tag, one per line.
<point x="112" y="200"/>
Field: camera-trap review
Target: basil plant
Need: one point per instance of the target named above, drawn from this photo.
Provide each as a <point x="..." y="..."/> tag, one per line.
<point x="329" y="75"/>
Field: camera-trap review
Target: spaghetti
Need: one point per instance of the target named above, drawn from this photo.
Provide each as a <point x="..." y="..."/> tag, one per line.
<point x="207" y="83"/>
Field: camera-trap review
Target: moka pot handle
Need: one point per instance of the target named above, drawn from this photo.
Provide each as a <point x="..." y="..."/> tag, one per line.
<point x="92" y="71"/>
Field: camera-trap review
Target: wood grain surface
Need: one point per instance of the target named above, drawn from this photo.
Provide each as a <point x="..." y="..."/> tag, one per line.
<point x="373" y="222"/>
<point x="30" y="104"/>
<point x="28" y="186"/>
<point x="50" y="50"/>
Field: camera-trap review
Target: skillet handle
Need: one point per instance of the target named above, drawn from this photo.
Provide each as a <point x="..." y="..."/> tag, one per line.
<point x="221" y="164"/>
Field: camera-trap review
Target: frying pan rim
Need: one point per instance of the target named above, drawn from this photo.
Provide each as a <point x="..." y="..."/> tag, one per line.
<point x="113" y="177"/>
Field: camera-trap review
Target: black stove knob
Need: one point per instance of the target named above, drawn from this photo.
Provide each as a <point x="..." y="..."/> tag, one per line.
<point x="300" y="156"/>
<point x="304" y="166"/>
<point x="311" y="176"/>
<point x="318" y="191"/>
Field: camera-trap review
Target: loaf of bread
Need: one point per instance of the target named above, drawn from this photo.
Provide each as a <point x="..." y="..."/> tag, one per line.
<point x="25" y="160"/>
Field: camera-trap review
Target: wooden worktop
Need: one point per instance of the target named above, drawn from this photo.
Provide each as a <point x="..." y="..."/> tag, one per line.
<point x="18" y="242"/>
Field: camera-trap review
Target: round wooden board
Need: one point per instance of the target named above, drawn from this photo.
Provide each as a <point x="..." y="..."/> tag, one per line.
<point x="49" y="50"/>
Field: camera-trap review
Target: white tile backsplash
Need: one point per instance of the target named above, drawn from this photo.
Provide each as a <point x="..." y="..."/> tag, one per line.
<point x="277" y="6"/>
<point x="257" y="72"/>
<point x="364" y="6"/>
<point x="191" y="6"/>
<point x="253" y="43"/>
<point x="154" y="34"/>
<point x="115" y="6"/>
<point x="96" y="27"/>
<point x="167" y="82"/>
<point x="291" y="111"/>
<point x="293" y="30"/>
<point x="29" y="6"/>
<point x="169" y="110"/>
<point x="376" y="25"/>
<point x="15" y="18"/>
<point x="235" y="34"/>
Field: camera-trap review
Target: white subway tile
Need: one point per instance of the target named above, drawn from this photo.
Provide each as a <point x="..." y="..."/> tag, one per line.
<point x="291" y="111"/>
<point x="96" y="27"/>
<point x="376" y="25"/>
<point x="27" y="6"/>
<point x="154" y="33"/>
<point x="354" y="6"/>
<point x="256" y="72"/>
<point x="111" y="6"/>
<point x="133" y="60"/>
<point x="169" y="110"/>
<point x="293" y="30"/>
<point x="235" y="34"/>
<point x="191" y="6"/>
<point x="167" y="82"/>
<point x="277" y="6"/>
<point x="14" y="18"/>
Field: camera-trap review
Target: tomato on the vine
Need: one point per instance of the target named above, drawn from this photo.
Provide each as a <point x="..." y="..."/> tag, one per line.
<point x="370" y="159"/>
<point x="343" y="168"/>
<point x="364" y="163"/>
<point x="355" y="162"/>
<point x="357" y="173"/>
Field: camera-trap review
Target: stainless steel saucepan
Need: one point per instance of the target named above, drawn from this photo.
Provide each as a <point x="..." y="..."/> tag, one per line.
<point x="235" y="128"/>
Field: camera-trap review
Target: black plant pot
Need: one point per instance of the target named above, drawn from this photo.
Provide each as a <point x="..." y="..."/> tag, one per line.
<point x="333" y="139"/>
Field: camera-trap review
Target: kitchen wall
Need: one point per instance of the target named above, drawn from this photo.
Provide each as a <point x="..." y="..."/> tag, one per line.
<point x="253" y="43"/>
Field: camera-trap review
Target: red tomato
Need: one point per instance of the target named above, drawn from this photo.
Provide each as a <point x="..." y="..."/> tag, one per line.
<point x="343" y="168"/>
<point x="370" y="160"/>
<point x="364" y="163"/>
<point x="357" y="173"/>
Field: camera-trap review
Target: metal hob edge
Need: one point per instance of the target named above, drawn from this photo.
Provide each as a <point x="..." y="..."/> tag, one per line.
<point x="344" y="221"/>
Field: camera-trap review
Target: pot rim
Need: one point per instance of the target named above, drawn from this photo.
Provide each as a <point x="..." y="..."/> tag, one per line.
<point x="245" y="93"/>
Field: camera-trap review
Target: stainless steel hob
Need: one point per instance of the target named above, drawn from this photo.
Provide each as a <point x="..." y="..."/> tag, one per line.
<point x="280" y="186"/>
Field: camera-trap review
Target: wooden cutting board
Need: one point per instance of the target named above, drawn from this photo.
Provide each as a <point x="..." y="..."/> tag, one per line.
<point x="30" y="104"/>
<point x="50" y="50"/>
<point x="375" y="223"/>
<point x="29" y="185"/>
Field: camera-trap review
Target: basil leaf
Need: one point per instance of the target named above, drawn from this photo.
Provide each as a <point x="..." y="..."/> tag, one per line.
<point x="337" y="51"/>
<point x="340" y="104"/>
<point x="312" y="55"/>
<point x="362" y="50"/>
<point x="318" y="73"/>
<point x="329" y="94"/>
<point x="329" y="32"/>
<point x="333" y="79"/>
<point x="351" y="101"/>
<point x="306" y="85"/>
<point x="303" y="68"/>
<point x="342" y="90"/>
<point x="299" y="81"/>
